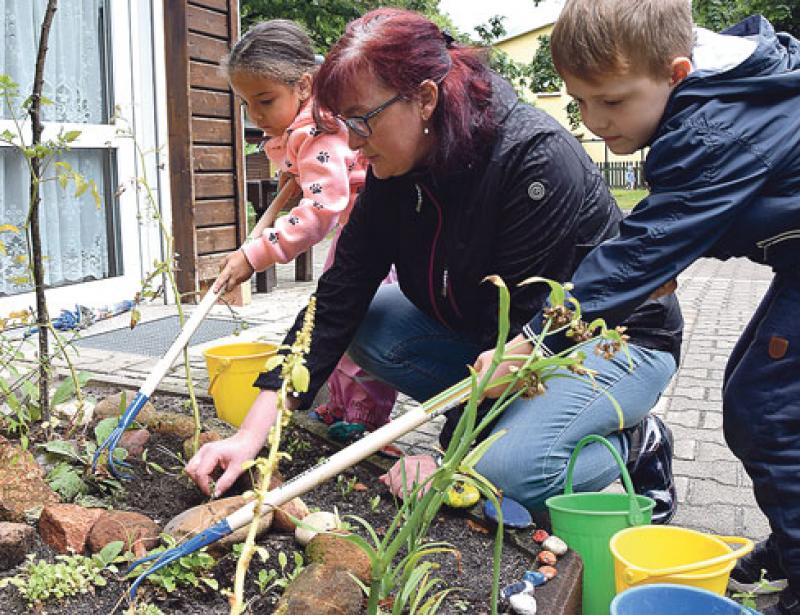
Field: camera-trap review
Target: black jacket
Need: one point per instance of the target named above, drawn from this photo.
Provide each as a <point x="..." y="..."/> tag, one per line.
<point x="534" y="205"/>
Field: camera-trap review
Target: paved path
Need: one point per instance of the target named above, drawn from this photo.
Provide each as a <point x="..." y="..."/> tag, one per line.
<point x="718" y="299"/>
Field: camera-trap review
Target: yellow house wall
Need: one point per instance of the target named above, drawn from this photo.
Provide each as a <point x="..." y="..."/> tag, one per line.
<point x="521" y="48"/>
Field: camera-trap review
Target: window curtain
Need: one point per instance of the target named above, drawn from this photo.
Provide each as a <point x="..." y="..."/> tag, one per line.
<point x="74" y="230"/>
<point x="73" y="68"/>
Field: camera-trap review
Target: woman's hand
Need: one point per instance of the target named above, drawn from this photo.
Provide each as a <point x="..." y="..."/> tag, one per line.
<point x="230" y="453"/>
<point x="418" y="468"/>
<point x="666" y="289"/>
<point x="517" y="346"/>
<point x="235" y="270"/>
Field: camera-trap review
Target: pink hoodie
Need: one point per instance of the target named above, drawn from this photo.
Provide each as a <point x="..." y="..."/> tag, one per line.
<point x="330" y="175"/>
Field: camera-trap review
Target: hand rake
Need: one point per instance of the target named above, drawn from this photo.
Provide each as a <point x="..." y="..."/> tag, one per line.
<point x="335" y="465"/>
<point x="163" y="366"/>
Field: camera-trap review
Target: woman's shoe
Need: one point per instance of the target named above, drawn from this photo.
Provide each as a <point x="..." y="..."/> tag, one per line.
<point x="650" y="466"/>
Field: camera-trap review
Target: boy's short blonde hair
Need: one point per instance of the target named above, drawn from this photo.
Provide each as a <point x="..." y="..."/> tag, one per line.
<point x="593" y="38"/>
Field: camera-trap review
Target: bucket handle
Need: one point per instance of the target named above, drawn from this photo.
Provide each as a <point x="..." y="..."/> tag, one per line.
<point x="637" y="575"/>
<point x="225" y="364"/>
<point x="635" y="516"/>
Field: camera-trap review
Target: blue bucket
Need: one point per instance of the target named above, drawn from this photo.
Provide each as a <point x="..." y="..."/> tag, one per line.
<point x="667" y="599"/>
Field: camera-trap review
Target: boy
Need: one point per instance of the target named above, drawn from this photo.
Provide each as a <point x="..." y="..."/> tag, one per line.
<point x="721" y="115"/>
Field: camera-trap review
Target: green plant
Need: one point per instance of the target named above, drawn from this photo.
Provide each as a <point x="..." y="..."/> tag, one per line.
<point x="144" y="609"/>
<point x="408" y="580"/>
<point x="189" y="571"/>
<point x="374" y="502"/>
<point x="346" y="485"/>
<point x="72" y="476"/>
<point x="296" y="445"/>
<point x="267" y="579"/>
<point x="69" y="575"/>
<point x="748" y="598"/>
<point x="294" y="378"/>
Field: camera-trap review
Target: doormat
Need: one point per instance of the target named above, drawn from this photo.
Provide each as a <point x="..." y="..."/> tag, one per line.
<point x="153" y="338"/>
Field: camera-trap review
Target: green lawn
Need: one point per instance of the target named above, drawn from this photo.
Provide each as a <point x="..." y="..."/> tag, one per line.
<point x="627" y="199"/>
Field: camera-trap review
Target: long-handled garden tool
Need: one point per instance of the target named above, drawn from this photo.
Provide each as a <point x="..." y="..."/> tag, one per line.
<point x="163" y="366"/>
<point x="312" y="477"/>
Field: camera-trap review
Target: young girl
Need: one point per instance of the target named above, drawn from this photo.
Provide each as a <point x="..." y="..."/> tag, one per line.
<point x="271" y="69"/>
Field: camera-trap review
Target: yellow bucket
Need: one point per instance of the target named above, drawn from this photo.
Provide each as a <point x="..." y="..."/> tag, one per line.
<point x="666" y="554"/>
<point x="232" y="370"/>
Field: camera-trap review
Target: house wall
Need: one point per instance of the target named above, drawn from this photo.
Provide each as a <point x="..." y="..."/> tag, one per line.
<point x="136" y="64"/>
<point x="521" y="48"/>
<point x="205" y="138"/>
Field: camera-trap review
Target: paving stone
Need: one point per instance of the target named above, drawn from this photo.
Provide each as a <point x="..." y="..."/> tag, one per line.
<point x="687" y="418"/>
<point x="712" y="420"/>
<point x="685" y="449"/>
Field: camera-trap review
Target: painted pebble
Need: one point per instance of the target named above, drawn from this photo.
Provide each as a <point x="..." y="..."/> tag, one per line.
<point x="515" y="515"/>
<point x="539" y="536"/>
<point x="535" y="577"/>
<point x="320" y="521"/>
<point x="556" y="545"/>
<point x="520" y="587"/>
<point x="547" y="558"/>
<point x="548" y="571"/>
<point x="461" y="495"/>
<point x="523" y="604"/>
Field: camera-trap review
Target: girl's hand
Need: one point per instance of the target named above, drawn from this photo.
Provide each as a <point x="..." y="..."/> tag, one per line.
<point x="518" y="346"/>
<point x="231" y="453"/>
<point x="235" y="270"/>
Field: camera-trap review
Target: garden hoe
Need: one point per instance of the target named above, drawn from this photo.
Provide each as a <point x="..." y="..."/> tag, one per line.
<point x="163" y="366"/>
<point x="333" y="466"/>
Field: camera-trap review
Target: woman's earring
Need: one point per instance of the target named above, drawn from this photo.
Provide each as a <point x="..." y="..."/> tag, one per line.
<point x="425" y="131"/>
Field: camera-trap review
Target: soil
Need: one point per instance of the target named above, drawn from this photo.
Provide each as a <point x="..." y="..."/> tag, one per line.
<point x="161" y="497"/>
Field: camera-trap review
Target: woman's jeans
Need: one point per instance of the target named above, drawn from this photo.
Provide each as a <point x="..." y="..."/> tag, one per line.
<point x="399" y="344"/>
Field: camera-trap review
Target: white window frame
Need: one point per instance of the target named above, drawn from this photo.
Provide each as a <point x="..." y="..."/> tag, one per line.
<point x="131" y="24"/>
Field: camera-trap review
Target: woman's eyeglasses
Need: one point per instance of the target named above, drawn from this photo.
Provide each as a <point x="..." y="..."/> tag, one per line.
<point x="359" y="124"/>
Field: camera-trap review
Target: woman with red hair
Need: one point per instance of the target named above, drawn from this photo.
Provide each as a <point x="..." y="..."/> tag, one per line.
<point x="464" y="181"/>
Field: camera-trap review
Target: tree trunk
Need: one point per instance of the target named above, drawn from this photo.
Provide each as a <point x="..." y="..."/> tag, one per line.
<point x="35" y="111"/>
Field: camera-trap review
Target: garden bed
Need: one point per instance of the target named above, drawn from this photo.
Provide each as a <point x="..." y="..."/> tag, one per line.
<point x="162" y="496"/>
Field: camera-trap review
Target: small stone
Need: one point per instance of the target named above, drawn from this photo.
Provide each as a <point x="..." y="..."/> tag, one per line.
<point x="137" y="532"/>
<point x="203" y="438"/>
<point x="539" y="536"/>
<point x="134" y="441"/>
<point x="69" y="410"/>
<point x="282" y="519"/>
<point x="515" y="515"/>
<point x="23" y="489"/>
<point x="335" y="551"/>
<point x="516" y="588"/>
<point x="16" y="540"/>
<point x="534" y="577"/>
<point x="320" y="590"/>
<point x="313" y="524"/>
<point x="461" y="495"/>
<point x="548" y="558"/>
<point x="556" y="545"/>
<point x="548" y="571"/>
<point x="196" y="519"/>
<point x="169" y="423"/>
<point x="523" y="604"/>
<point x="110" y="407"/>
<point x="66" y="527"/>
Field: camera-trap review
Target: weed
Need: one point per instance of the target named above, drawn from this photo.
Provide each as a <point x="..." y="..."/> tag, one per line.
<point x="69" y="575"/>
<point x="189" y="571"/>
<point x="267" y="579"/>
<point x="346" y="485"/>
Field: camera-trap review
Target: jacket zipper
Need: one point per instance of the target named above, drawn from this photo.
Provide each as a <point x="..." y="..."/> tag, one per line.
<point x="431" y="293"/>
<point x="765" y="244"/>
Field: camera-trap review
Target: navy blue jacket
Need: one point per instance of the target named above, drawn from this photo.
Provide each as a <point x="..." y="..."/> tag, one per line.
<point x="534" y="204"/>
<point x="724" y="173"/>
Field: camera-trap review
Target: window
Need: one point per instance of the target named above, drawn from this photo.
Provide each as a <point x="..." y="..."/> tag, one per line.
<point x="80" y="241"/>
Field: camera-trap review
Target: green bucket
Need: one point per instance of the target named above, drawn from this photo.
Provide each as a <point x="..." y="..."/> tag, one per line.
<point x="587" y="521"/>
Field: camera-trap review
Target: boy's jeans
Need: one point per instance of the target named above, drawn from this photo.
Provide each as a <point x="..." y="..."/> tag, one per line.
<point x="404" y="347"/>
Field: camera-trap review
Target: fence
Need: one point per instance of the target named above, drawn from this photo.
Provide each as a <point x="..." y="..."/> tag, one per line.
<point x="616" y="174"/>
